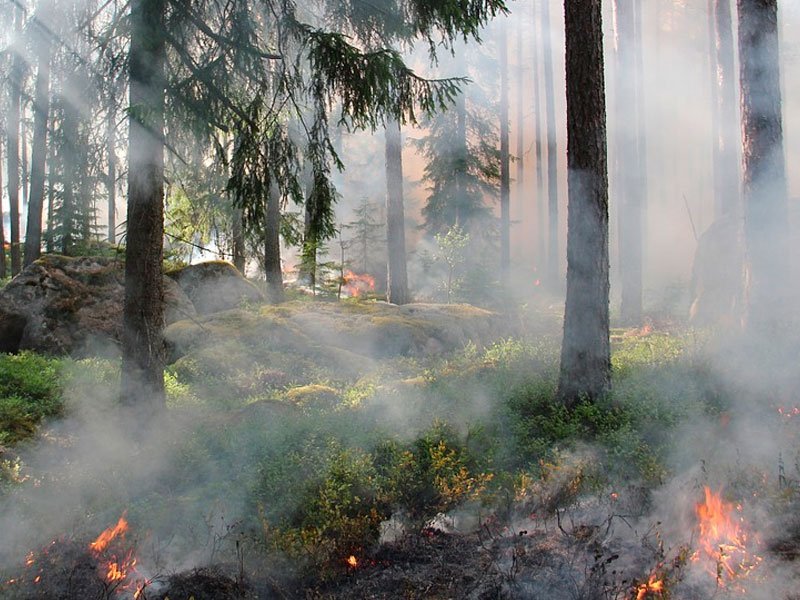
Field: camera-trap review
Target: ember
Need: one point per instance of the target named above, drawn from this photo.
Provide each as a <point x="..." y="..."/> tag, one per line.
<point x="724" y="542"/>
<point x="357" y="285"/>
<point x="352" y="562"/>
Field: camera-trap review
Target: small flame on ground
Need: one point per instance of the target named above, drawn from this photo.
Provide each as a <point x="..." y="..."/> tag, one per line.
<point x="357" y="285"/>
<point x="352" y="561"/>
<point x="654" y="586"/>
<point x="723" y="539"/>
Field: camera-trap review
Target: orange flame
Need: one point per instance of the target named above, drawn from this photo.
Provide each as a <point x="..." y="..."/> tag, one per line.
<point x="352" y="561"/>
<point x="105" y="538"/>
<point x="723" y="539"/>
<point x="357" y="285"/>
<point x="653" y="586"/>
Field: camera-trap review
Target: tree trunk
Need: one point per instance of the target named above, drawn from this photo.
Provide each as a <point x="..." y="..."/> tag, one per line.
<point x="541" y="230"/>
<point x="2" y="226"/>
<point x="111" y="154"/>
<point x="12" y="150"/>
<point x="33" y="233"/>
<point x="627" y="147"/>
<point x="764" y="176"/>
<point x="585" y="351"/>
<point x="143" y="313"/>
<point x="272" y="247"/>
<point x="308" y="258"/>
<point x="505" y="160"/>
<point x="397" y="277"/>
<point x="726" y="168"/>
<point x="23" y="162"/>
<point x="237" y="234"/>
<point x="520" y="133"/>
<point x="552" y="271"/>
<point x="51" y="193"/>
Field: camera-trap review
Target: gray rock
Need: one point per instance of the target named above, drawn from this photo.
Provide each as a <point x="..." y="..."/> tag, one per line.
<point x="216" y="286"/>
<point x="65" y="305"/>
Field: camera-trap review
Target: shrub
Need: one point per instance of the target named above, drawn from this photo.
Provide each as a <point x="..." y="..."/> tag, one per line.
<point x="29" y="392"/>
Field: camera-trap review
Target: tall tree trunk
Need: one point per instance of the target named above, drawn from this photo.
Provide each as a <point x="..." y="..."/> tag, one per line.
<point x="237" y="250"/>
<point x="272" y="247"/>
<point x="764" y="176"/>
<point x="552" y="273"/>
<point x="505" y="160"/>
<point x="713" y="69"/>
<point x="51" y="193"/>
<point x="585" y="351"/>
<point x="143" y="313"/>
<point x="111" y="176"/>
<point x="628" y="192"/>
<point x="726" y="174"/>
<point x="12" y="150"/>
<point x="520" y="127"/>
<point x="2" y="226"/>
<point x="308" y="258"/>
<point x="397" y="277"/>
<point x="541" y="230"/>
<point x="41" y="108"/>
<point x="23" y="162"/>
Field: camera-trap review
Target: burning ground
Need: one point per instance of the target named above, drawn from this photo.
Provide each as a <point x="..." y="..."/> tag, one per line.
<point x="357" y="450"/>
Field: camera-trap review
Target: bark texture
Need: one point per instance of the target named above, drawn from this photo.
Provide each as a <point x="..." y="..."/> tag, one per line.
<point x="272" y="248"/>
<point x="628" y="191"/>
<point x="541" y="230"/>
<point x="764" y="172"/>
<point x="397" y="284"/>
<point x="505" y="161"/>
<point x="12" y="150"/>
<point x="111" y="154"/>
<point x="726" y="162"/>
<point x="585" y="352"/>
<point x="2" y="226"/>
<point x="143" y="314"/>
<point x="41" y="107"/>
<point x="552" y="274"/>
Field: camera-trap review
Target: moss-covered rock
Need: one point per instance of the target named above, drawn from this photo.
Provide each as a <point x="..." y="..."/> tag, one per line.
<point x="72" y="305"/>
<point x="215" y="286"/>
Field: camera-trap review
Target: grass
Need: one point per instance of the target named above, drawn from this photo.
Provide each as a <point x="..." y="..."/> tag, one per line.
<point x="414" y="436"/>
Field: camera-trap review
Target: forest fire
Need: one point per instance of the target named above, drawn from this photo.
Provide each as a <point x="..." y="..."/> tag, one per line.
<point x="356" y="285"/>
<point x="352" y="562"/>
<point x="725" y="546"/>
<point x="653" y="588"/>
<point x="65" y="568"/>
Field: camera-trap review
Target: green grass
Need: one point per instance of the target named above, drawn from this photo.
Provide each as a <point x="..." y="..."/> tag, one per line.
<point x="29" y="392"/>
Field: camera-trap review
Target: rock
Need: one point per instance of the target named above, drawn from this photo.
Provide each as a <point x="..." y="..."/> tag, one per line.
<point x="215" y="286"/>
<point x="65" y="305"/>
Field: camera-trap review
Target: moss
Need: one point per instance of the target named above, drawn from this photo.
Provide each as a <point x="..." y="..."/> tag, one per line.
<point x="315" y="395"/>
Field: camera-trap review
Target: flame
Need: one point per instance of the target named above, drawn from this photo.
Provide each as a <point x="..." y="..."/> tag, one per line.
<point x="653" y="586"/>
<point x="357" y="285"/>
<point x="105" y="538"/>
<point x="352" y="562"/>
<point x="723" y="539"/>
<point x="117" y="571"/>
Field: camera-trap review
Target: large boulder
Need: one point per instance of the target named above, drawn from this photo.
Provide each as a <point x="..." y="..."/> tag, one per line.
<point x="216" y="286"/>
<point x="64" y="305"/>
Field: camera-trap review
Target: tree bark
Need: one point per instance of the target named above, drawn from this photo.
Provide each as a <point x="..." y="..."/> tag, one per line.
<point x="764" y="171"/>
<point x="726" y="167"/>
<point x="272" y="247"/>
<point x="505" y="160"/>
<point x="629" y="194"/>
<point x="585" y="353"/>
<point x="41" y="107"/>
<point x="397" y="276"/>
<point x="111" y="154"/>
<point x="12" y="149"/>
<point x="541" y="230"/>
<point x="143" y="313"/>
<point x="552" y="271"/>
<point x="2" y="226"/>
<point x="520" y="133"/>
<point x="238" y="246"/>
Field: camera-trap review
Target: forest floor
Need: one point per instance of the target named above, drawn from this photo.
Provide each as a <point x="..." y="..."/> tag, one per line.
<point x="356" y="450"/>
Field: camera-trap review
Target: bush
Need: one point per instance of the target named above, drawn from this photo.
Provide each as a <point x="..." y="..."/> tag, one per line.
<point x="29" y="392"/>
